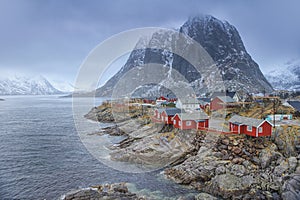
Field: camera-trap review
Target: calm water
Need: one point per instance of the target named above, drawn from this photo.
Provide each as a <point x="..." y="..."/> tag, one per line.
<point x="42" y="157"/>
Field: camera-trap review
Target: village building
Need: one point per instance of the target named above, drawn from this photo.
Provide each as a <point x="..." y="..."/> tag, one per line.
<point x="250" y="126"/>
<point x="279" y="117"/>
<point x="161" y="100"/>
<point x="187" y="121"/>
<point x="234" y="95"/>
<point x="204" y="103"/>
<point x="164" y="115"/>
<point x="188" y="103"/>
<point x="221" y="102"/>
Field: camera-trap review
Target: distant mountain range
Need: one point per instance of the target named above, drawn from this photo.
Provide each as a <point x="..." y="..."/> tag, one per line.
<point x="22" y="85"/>
<point x="287" y="77"/>
<point x="222" y="42"/>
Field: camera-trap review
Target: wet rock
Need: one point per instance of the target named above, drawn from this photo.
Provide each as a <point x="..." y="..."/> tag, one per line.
<point x="291" y="188"/>
<point x="107" y="191"/>
<point x="84" y="194"/>
<point x="205" y="196"/>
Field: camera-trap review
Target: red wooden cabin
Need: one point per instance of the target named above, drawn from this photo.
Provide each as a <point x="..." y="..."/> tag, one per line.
<point x="220" y="102"/>
<point x="165" y="115"/>
<point x="187" y="121"/>
<point x="250" y="126"/>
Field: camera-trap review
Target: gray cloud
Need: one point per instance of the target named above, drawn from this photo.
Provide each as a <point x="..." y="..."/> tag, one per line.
<point x="54" y="37"/>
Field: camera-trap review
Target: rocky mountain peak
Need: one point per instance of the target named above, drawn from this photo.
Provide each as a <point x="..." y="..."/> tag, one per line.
<point x="223" y="44"/>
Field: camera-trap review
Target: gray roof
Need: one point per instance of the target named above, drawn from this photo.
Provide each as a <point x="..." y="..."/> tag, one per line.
<point x="237" y="119"/>
<point x="204" y="101"/>
<point x="189" y="100"/>
<point x="169" y="111"/>
<point x="193" y="116"/>
<point x="229" y="94"/>
<point x="226" y="99"/>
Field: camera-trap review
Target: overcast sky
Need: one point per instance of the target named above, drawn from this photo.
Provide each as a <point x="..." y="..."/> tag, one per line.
<point x="52" y="37"/>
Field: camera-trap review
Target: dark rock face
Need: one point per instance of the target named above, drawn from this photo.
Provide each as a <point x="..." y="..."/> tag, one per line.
<point x="221" y="41"/>
<point x="224" y="44"/>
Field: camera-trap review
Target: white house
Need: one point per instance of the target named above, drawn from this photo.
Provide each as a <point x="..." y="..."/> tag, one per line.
<point x="188" y="103"/>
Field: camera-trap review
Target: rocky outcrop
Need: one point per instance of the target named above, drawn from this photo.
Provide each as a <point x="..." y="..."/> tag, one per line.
<point x="287" y="139"/>
<point x="107" y="191"/>
<point x="101" y="114"/>
<point x="238" y="167"/>
<point x="145" y="147"/>
<point x="291" y="187"/>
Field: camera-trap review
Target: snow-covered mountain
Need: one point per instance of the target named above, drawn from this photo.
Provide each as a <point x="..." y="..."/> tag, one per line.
<point x="235" y="67"/>
<point x="22" y="85"/>
<point x="287" y="77"/>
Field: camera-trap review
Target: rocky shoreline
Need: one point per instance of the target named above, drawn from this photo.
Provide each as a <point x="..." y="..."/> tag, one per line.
<point x="222" y="166"/>
<point x="106" y="191"/>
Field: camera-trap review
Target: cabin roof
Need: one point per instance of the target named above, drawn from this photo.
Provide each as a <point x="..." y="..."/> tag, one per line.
<point x="226" y="99"/>
<point x="189" y="100"/>
<point x="229" y="94"/>
<point x="192" y="116"/>
<point x="240" y="120"/>
<point x="170" y="111"/>
<point x="203" y="101"/>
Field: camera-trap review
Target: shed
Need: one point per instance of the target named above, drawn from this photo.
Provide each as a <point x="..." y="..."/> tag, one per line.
<point x="220" y="102"/>
<point x="250" y="126"/>
<point x="185" y="121"/>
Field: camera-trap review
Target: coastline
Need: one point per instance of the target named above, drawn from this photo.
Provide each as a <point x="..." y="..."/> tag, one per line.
<point x="226" y="166"/>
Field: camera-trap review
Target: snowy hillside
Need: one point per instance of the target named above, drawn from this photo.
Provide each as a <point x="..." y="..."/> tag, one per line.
<point x="235" y="70"/>
<point x="286" y="78"/>
<point x="21" y="85"/>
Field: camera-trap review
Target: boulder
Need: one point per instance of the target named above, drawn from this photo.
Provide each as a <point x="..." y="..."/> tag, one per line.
<point x="293" y="162"/>
<point x="291" y="188"/>
<point x="228" y="185"/>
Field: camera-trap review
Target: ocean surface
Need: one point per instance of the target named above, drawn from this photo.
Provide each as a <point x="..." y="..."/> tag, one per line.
<point x="43" y="157"/>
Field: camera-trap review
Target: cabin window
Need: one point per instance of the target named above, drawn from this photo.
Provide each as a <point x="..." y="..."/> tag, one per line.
<point x="179" y="123"/>
<point x="260" y="130"/>
<point x="162" y="118"/>
<point x="188" y="123"/>
<point x="166" y="119"/>
<point x="249" y="128"/>
<point x="174" y="121"/>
